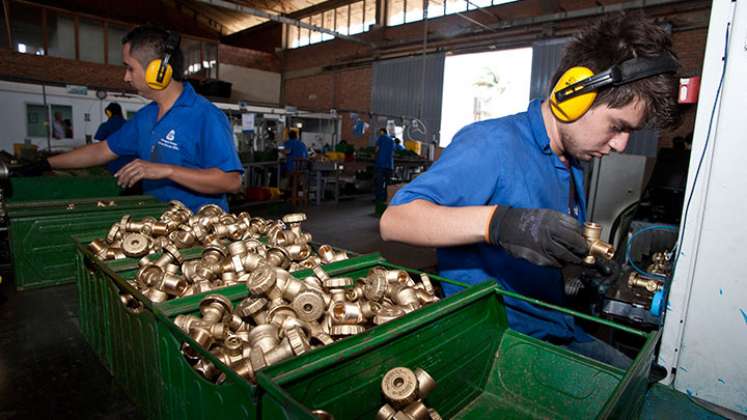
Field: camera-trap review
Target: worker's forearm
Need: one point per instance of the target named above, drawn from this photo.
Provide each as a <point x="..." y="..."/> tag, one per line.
<point x="206" y="181"/>
<point x="83" y="157"/>
<point x="423" y="223"/>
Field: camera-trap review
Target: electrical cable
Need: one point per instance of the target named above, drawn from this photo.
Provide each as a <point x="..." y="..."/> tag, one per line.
<point x="629" y="247"/>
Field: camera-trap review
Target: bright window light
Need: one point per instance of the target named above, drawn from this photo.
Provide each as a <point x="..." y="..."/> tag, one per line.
<point x="482" y="86"/>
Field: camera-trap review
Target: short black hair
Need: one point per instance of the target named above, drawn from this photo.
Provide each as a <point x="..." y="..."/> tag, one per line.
<point x="617" y="38"/>
<point x="114" y="108"/>
<point x="383" y="131"/>
<point x="292" y="134"/>
<point x="149" y="42"/>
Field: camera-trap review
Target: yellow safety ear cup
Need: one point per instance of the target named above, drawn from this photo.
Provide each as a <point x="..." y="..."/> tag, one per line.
<point x="151" y="75"/>
<point x="108" y="113"/>
<point x="574" y="108"/>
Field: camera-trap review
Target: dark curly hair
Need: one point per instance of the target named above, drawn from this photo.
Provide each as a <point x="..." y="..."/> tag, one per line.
<point x="614" y="39"/>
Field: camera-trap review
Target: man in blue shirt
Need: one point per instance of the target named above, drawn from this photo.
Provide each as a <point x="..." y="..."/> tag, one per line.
<point x="182" y="143"/>
<point x="506" y="198"/>
<point x="294" y="150"/>
<point x="384" y="164"/>
<point x="115" y="121"/>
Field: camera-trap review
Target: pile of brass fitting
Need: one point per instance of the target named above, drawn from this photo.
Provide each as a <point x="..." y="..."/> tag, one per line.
<point x="597" y="247"/>
<point x="404" y="392"/>
<point x="232" y="249"/>
<point x="285" y="316"/>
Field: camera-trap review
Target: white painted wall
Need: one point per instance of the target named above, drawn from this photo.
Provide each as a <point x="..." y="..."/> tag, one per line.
<point x="705" y="332"/>
<point x="15" y="96"/>
<point x="251" y="85"/>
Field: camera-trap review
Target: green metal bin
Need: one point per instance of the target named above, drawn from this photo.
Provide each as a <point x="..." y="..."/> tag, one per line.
<point x="42" y="252"/>
<point x="483" y="369"/>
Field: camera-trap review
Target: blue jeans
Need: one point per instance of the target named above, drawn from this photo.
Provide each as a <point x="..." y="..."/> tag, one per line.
<point x="599" y="350"/>
<point x="381" y="179"/>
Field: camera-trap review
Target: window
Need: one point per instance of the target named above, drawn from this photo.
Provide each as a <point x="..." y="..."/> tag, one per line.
<point x="62" y="122"/>
<point x="356" y="18"/>
<point x="329" y="23"/>
<point x="61" y="35"/>
<point x="191" y="49"/>
<point x="435" y="8"/>
<point x="91" y="38"/>
<point x="304" y="37"/>
<point x="116" y="34"/>
<point x="316" y="36"/>
<point x="36" y="120"/>
<point x="341" y="24"/>
<point x="292" y="41"/>
<point x="395" y="12"/>
<point x="369" y="17"/>
<point x="3" y="29"/>
<point x="455" y="6"/>
<point x="26" y="29"/>
<point x="474" y="4"/>
<point x="414" y="11"/>
<point x="210" y="62"/>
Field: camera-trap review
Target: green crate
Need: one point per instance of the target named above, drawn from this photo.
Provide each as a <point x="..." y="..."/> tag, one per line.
<point x="43" y="188"/>
<point x="484" y="370"/>
<point x="42" y="252"/>
<point x="144" y="348"/>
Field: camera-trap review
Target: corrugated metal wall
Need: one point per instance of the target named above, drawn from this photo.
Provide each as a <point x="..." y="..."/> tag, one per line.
<point x="397" y="86"/>
<point x="546" y="55"/>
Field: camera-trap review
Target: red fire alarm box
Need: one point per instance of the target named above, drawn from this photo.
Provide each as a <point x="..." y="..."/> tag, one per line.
<point x="688" y="92"/>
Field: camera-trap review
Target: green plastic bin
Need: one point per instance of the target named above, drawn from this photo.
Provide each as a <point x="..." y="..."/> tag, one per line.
<point x="42" y="252"/>
<point x="484" y="370"/>
<point x="61" y="187"/>
<point x="142" y="348"/>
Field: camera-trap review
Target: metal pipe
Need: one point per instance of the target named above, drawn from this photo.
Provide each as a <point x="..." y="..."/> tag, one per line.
<point x="283" y="19"/>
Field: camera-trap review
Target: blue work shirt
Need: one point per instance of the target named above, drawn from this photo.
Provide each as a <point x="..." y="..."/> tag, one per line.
<point x="105" y="130"/>
<point x="385" y="155"/>
<point x="296" y="150"/>
<point x="505" y="161"/>
<point x="194" y="134"/>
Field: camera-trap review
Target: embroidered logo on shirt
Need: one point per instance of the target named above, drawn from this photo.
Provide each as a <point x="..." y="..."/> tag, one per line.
<point x="169" y="141"/>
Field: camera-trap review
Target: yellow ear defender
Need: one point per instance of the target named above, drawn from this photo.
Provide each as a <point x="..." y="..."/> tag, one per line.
<point x="159" y="72"/>
<point x="575" y="107"/>
<point x="108" y="113"/>
<point x="576" y="90"/>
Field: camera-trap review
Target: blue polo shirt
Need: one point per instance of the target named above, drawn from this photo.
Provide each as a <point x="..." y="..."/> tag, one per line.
<point x="105" y="130"/>
<point x="296" y="149"/>
<point x="505" y="161"/>
<point x="194" y="134"/>
<point x="385" y="156"/>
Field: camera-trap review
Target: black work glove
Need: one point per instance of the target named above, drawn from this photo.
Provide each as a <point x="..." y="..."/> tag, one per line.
<point x="540" y="236"/>
<point x="34" y="168"/>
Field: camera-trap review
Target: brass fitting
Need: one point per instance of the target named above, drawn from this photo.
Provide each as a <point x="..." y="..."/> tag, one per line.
<point x="425" y="280"/>
<point x="651" y="285"/>
<point x="264" y="337"/>
<point x="386" y="314"/>
<point x="344" y="330"/>
<point x="326" y="253"/>
<point x="173" y="285"/>
<point x="320" y="273"/>
<point x="135" y="244"/>
<point x="400" y="387"/>
<point x="214" y="307"/>
<point x="155" y="295"/>
<point x="597" y="247"/>
<point x="405" y="296"/>
<point x="308" y="305"/>
<point x="375" y="288"/>
<point x="279" y="353"/>
<point x="386" y="412"/>
<point x="278" y="257"/>
<point x="426" y="383"/>
<point x="262" y="280"/>
<point x="253" y="308"/>
<point x="346" y="313"/>
<point x="416" y="411"/>
<point x="337" y="282"/>
<point x="278" y="314"/>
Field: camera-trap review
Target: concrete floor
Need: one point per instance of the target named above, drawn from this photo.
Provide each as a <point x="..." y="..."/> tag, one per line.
<point x="47" y="370"/>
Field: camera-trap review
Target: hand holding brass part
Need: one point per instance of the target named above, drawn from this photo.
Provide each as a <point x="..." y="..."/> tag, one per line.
<point x="597" y="247"/>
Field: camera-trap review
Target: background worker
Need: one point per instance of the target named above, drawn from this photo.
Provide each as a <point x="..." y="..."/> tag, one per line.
<point x="182" y="143"/>
<point x="384" y="164"/>
<point x="506" y="198"/>
<point x="115" y="121"/>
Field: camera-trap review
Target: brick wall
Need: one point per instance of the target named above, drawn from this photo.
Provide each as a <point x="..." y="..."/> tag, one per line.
<point x="31" y="68"/>
<point x="252" y="59"/>
<point x="344" y="90"/>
